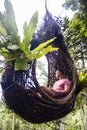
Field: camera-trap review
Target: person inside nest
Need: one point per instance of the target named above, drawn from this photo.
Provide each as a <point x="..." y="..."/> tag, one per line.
<point x="61" y="87"/>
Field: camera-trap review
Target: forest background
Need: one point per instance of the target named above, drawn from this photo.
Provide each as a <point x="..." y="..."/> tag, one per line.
<point x="75" y="34"/>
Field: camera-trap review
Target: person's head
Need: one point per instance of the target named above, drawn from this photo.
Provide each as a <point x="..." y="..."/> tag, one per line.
<point x="59" y="74"/>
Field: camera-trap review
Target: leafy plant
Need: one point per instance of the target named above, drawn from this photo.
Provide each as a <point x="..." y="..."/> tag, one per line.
<point x="11" y="47"/>
<point x="83" y="79"/>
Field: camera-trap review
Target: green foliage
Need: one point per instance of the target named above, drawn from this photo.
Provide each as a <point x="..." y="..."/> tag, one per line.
<point x="28" y="31"/>
<point x="6" y="119"/>
<point x="83" y="79"/>
<point x="71" y="4"/>
<point x="8" y="22"/>
<point x="66" y="23"/>
<point x="42" y="49"/>
<point x="11" y="26"/>
<point x="76" y="37"/>
<point x="11" y="48"/>
<point x="73" y="121"/>
<point x="78" y="23"/>
<point x="2" y="30"/>
<point x="30" y="28"/>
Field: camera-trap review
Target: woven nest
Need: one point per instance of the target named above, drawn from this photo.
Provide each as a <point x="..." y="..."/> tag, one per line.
<point x="20" y="87"/>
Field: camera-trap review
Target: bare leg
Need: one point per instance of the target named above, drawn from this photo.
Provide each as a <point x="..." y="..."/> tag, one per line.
<point x="48" y="91"/>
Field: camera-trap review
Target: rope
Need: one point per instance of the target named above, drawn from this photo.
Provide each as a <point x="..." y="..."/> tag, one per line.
<point x="8" y="88"/>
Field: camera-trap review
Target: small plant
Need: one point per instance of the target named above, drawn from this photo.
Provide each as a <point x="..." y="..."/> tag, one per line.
<point x="11" y="47"/>
<point x="83" y="79"/>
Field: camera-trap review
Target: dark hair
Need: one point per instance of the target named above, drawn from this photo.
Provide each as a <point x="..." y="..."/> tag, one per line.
<point x="61" y="71"/>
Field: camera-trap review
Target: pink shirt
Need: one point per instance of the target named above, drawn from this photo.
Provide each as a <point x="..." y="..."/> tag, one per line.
<point x="59" y="85"/>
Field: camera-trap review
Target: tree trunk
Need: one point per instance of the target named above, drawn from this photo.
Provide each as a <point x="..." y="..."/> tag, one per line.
<point x="61" y="125"/>
<point x="13" y="121"/>
<point x="85" y="114"/>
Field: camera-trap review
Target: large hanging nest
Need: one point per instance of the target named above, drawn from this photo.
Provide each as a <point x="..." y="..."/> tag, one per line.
<point x="20" y="87"/>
